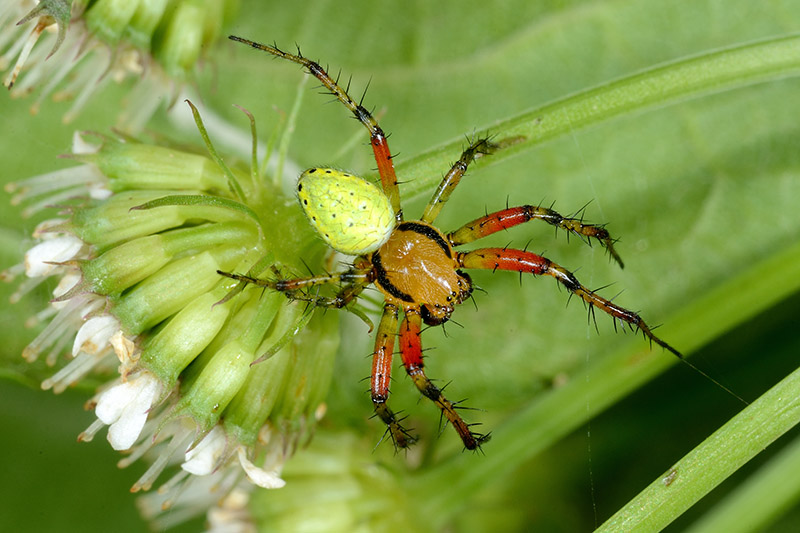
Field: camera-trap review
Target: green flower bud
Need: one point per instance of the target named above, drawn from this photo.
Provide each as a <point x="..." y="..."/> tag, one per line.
<point x="131" y="262"/>
<point x="186" y="335"/>
<point x="182" y="41"/>
<point x="311" y="371"/>
<point x="291" y="382"/>
<point x="122" y="217"/>
<point x="254" y="403"/>
<point x="167" y="291"/>
<point x="131" y="166"/>
<point x="114" y="220"/>
<point x="145" y="21"/>
<point x="108" y="19"/>
<point x="157" y="42"/>
<point x="216" y="385"/>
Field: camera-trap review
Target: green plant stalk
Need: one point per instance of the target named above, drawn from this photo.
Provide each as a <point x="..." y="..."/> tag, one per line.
<point x="607" y="379"/>
<point x="702" y="469"/>
<point x="763" y="497"/>
<point x="291" y="123"/>
<point x="685" y="79"/>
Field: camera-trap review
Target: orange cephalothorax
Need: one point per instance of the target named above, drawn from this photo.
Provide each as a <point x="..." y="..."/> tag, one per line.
<point x="417" y="267"/>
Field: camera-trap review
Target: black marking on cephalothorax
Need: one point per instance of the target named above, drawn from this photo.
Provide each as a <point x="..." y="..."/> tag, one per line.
<point x="382" y="279"/>
<point x="429" y="232"/>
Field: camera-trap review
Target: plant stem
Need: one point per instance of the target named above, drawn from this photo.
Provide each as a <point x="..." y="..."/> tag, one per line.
<point x="685" y="79"/>
<point x="765" y="496"/>
<point x="705" y="467"/>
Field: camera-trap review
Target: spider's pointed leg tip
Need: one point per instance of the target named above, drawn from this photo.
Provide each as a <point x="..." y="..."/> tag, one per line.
<point x="477" y="441"/>
<point x="675" y="352"/>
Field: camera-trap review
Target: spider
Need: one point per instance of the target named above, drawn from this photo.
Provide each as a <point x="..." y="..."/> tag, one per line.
<point x="414" y="264"/>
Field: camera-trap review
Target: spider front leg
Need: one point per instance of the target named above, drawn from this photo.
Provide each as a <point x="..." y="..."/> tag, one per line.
<point x="353" y="282"/>
<point x="411" y="351"/>
<point x="512" y="216"/>
<point x="380" y="145"/>
<point x="522" y="261"/>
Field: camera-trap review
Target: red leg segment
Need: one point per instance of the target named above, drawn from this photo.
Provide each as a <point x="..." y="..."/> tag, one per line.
<point x="382" y="376"/>
<point x="383" y="158"/>
<point x="411" y="350"/>
<point x="513" y="216"/>
<point x="378" y="141"/>
<point x="521" y="261"/>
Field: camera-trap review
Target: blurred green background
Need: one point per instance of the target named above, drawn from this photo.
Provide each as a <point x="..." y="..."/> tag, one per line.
<point x="697" y="192"/>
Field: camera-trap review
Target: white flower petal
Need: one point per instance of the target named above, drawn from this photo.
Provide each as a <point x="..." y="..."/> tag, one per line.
<point x="94" y="335"/>
<point x="125" y="408"/>
<point x="67" y="282"/>
<point x="98" y="191"/>
<point x="49" y="228"/>
<point x="81" y="146"/>
<point x="262" y="478"/>
<point x="123" y="433"/>
<point x="56" y="250"/>
<point x="112" y="402"/>
<point x="204" y="458"/>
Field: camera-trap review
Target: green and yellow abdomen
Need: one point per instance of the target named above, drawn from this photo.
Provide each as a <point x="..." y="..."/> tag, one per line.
<point x="351" y="214"/>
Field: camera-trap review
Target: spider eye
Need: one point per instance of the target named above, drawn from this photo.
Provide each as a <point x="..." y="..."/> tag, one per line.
<point x="351" y="214"/>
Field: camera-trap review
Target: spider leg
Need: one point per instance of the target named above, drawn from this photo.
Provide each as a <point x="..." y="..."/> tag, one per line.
<point x="382" y="375"/>
<point x="380" y="145"/>
<point x="521" y="261"/>
<point x="411" y="350"/>
<point x="353" y="282"/>
<point x="477" y="149"/>
<point x="510" y="217"/>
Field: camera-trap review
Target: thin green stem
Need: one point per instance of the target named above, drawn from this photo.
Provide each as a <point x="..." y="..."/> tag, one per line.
<point x="199" y="199"/>
<point x="705" y="467"/>
<point x="253" y="145"/>
<point x="667" y="84"/>
<point x="271" y="142"/>
<point x="291" y="122"/>
<point x="763" y="497"/>
<point x="233" y="183"/>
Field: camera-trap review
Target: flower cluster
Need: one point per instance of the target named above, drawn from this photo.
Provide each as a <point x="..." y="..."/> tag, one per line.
<point x="160" y="42"/>
<point x="144" y="230"/>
